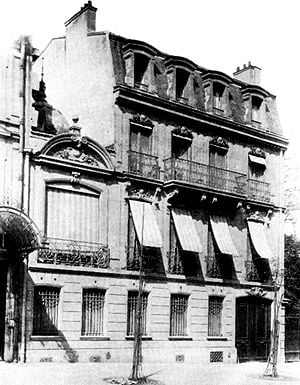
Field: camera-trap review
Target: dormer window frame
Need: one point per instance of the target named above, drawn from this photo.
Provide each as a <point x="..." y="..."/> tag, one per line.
<point x="254" y="96"/>
<point x="257" y="104"/>
<point x="146" y="81"/>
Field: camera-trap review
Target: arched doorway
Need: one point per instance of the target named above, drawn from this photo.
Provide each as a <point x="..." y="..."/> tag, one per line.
<point x="253" y="326"/>
<point x="18" y="237"/>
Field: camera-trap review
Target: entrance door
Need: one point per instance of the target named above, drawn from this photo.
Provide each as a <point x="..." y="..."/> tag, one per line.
<point x="253" y="328"/>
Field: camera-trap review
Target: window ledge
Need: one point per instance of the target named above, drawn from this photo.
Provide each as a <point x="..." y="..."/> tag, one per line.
<point x="144" y="338"/>
<point x="217" y="338"/>
<point x="46" y="338"/>
<point x="179" y="338"/>
<point x="94" y="338"/>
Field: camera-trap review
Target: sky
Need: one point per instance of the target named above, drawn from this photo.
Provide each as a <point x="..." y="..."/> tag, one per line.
<point x="216" y="34"/>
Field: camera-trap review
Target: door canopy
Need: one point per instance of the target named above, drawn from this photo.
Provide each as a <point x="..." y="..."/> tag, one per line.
<point x="19" y="228"/>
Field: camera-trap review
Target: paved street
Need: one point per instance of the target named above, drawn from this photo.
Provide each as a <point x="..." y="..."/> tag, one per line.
<point x="179" y="374"/>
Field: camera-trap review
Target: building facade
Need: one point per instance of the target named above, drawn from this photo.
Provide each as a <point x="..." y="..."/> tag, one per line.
<point x="173" y="169"/>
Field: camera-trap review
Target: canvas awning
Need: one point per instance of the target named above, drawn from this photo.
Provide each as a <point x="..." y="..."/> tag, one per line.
<point x="259" y="240"/>
<point x="222" y="235"/>
<point x="257" y="160"/>
<point x="145" y="224"/>
<point x="186" y="230"/>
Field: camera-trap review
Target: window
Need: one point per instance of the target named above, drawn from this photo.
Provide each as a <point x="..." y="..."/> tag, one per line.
<point x="140" y="139"/>
<point x="218" y="98"/>
<point x="132" y="312"/>
<point x="92" y="312"/>
<point x="256" y="109"/>
<point x="178" y="315"/>
<point x="45" y="312"/>
<point x="134" y="249"/>
<point x="141" y="75"/>
<point x="175" y="265"/>
<point x="215" y="306"/>
<point x="182" y="82"/>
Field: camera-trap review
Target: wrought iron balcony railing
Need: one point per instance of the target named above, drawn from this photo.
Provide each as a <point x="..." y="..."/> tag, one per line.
<point x="67" y="252"/>
<point x="259" y="191"/>
<point x="258" y="271"/>
<point x="205" y="175"/>
<point x="143" y="164"/>
<point x="175" y="265"/>
<point x="213" y="269"/>
<point x="251" y="272"/>
<point x="132" y="258"/>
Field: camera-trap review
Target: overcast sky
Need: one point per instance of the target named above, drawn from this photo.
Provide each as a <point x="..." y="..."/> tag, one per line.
<point x="217" y="34"/>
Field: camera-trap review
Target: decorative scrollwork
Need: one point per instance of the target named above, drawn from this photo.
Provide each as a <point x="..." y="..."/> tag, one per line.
<point x="142" y="120"/>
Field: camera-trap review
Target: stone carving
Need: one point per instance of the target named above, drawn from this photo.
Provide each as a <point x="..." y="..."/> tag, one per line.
<point x="183" y="131"/>
<point x="139" y="193"/>
<point x="256" y="216"/>
<point x="77" y="155"/>
<point x="142" y="120"/>
<point x="256" y="151"/>
<point x="220" y="142"/>
<point x="256" y="292"/>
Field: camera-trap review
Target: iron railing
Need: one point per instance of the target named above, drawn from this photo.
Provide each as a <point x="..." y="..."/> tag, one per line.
<point x="57" y="251"/>
<point x="133" y="258"/>
<point x="205" y="175"/>
<point x="213" y="269"/>
<point x="143" y="164"/>
<point x="175" y="265"/>
<point x="258" y="190"/>
<point x="252" y="274"/>
<point x="258" y="271"/>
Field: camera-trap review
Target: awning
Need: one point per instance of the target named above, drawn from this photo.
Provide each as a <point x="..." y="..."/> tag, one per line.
<point x="257" y="160"/>
<point x="222" y="235"/>
<point x="259" y="240"/>
<point x="186" y="230"/>
<point x="145" y="224"/>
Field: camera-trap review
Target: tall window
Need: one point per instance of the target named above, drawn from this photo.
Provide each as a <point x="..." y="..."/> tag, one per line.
<point x="219" y="96"/>
<point x="256" y="109"/>
<point x="45" y="311"/>
<point x="182" y="84"/>
<point x="140" y="139"/>
<point x="132" y="312"/>
<point x="215" y="306"/>
<point x="141" y="63"/>
<point x="92" y="312"/>
<point x="178" y="315"/>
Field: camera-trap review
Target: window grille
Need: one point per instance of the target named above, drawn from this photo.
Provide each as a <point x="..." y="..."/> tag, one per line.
<point x="216" y="356"/>
<point x="178" y="316"/>
<point x="215" y="306"/>
<point x="132" y="312"/>
<point x="92" y="312"/>
<point x="45" y="316"/>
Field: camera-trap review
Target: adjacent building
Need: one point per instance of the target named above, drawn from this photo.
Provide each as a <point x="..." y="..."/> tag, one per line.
<point x="163" y="163"/>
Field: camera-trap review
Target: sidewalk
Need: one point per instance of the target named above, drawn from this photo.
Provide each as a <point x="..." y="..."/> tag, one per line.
<point x="177" y="374"/>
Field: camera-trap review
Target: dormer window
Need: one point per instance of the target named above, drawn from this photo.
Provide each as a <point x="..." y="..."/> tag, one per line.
<point x="219" y="98"/>
<point x="182" y="85"/>
<point x="141" y="71"/>
<point x="256" y="111"/>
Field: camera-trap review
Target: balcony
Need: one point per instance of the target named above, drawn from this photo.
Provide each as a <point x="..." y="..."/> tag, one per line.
<point x="175" y="265"/>
<point x="205" y="175"/>
<point x="143" y="164"/>
<point x="213" y="269"/>
<point x="55" y="251"/>
<point x="259" y="191"/>
<point x="258" y="270"/>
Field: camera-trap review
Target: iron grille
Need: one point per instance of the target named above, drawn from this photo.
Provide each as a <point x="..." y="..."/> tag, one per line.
<point x="92" y="312"/>
<point x="132" y="313"/>
<point x="215" y="306"/>
<point x="45" y="316"/>
<point x="216" y="356"/>
<point x="178" y="316"/>
<point x="73" y="253"/>
<point x="212" y="267"/>
<point x="258" y="190"/>
<point x="143" y="164"/>
<point x="175" y="265"/>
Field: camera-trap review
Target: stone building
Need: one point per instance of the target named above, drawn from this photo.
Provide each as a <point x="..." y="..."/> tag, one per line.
<point x="165" y="162"/>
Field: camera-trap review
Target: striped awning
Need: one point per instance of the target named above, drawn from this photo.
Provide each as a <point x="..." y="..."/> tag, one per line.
<point x="222" y="235"/>
<point x="259" y="240"/>
<point x="186" y="230"/>
<point x="257" y="160"/>
<point x="145" y="224"/>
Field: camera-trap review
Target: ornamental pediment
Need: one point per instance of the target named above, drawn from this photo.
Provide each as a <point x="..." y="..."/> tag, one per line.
<point x="74" y="148"/>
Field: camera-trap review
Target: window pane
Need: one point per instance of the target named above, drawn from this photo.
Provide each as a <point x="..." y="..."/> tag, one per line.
<point x="132" y="313"/>
<point x="92" y="312"/>
<point x="215" y="305"/>
<point x="45" y="316"/>
<point x="178" y="316"/>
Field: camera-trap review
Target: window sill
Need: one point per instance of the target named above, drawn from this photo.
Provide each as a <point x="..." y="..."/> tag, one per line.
<point x="217" y="338"/>
<point x="144" y="338"/>
<point x="94" y="338"/>
<point x="46" y="338"/>
<point x="179" y="338"/>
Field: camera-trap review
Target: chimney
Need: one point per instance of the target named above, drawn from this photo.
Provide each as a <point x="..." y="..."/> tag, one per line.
<point x="249" y="74"/>
<point x="84" y="20"/>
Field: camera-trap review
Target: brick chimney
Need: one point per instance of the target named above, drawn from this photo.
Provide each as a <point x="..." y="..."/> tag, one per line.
<point x="83" y="21"/>
<point x="249" y="74"/>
